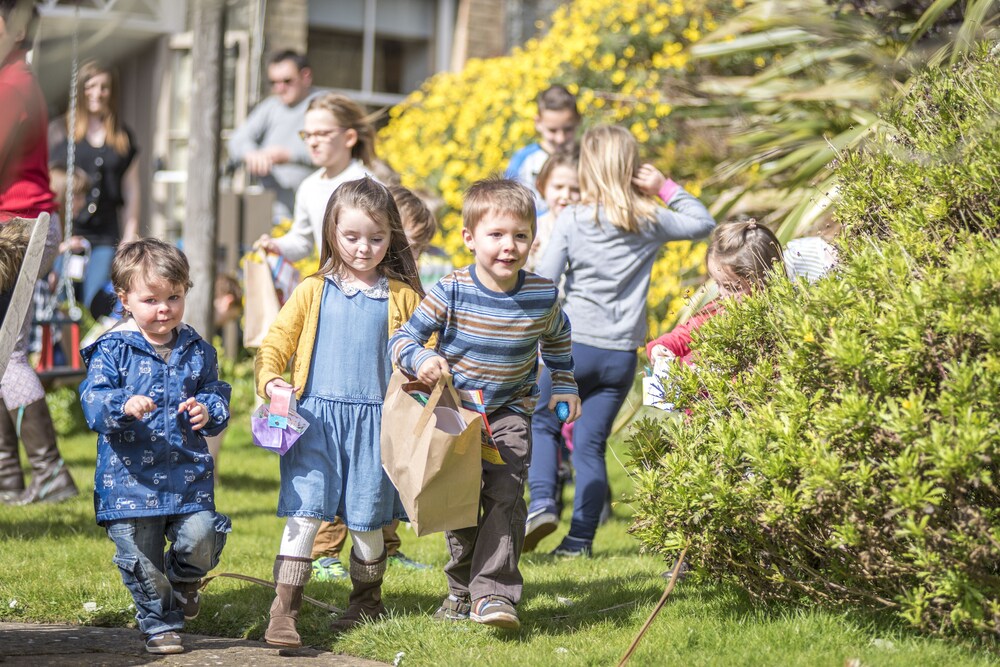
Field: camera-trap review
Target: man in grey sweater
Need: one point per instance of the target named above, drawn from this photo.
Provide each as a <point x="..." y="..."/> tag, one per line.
<point x="268" y="142"/>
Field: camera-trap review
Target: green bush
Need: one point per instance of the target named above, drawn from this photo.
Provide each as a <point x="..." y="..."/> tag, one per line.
<point x="842" y="439"/>
<point x="67" y="415"/>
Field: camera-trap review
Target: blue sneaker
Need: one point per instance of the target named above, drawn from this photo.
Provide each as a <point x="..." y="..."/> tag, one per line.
<point x="572" y="547"/>
<point x="543" y="520"/>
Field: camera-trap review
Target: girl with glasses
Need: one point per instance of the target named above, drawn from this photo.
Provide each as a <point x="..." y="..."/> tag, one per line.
<point x="341" y="143"/>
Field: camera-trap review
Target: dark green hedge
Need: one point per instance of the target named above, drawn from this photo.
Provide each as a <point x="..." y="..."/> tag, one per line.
<point x="843" y="439"/>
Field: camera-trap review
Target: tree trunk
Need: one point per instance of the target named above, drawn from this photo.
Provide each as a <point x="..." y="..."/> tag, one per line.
<point x="208" y="19"/>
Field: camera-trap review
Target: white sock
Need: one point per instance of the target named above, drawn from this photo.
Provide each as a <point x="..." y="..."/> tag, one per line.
<point x="298" y="536"/>
<point x="368" y="544"/>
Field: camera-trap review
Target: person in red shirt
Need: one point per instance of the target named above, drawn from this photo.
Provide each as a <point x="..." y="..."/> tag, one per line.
<point x="25" y="193"/>
<point x="742" y="256"/>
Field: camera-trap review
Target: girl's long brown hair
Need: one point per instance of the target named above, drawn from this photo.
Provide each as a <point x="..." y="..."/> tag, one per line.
<point x="117" y="138"/>
<point x="374" y="200"/>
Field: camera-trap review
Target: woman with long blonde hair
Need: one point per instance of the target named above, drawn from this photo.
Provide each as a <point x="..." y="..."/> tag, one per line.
<point x="605" y="247"/>
<point x="106" y="151"/>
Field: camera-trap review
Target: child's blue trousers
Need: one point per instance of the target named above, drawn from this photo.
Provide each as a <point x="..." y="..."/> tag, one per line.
<point x="604" y="378"/>
<point x="196" y="543"/>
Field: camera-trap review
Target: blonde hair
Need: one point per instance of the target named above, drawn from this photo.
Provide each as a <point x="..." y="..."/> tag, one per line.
<point x="747" y="250"/>
<point x="498" y="195"/>
<point x="14" y="237"/>
<point x="117" y="137"/>
<point x="149" y="258"/>
<point x="374" y="200"/>
<point x="349" y="115"/>
<point x="609" y="158"/>
<point x="415" y="215"/>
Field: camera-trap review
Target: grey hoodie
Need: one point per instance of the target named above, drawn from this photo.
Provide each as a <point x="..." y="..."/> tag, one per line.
<point x="607" y="270"/>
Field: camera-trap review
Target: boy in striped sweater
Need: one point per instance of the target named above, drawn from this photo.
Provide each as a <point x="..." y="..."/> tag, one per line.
<point x="491" y="319"/>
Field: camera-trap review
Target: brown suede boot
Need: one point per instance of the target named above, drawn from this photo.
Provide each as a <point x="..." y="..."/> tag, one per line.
<point x="290" y="577"/>
<point x="365" y="601"/>
<point x="51" y="481"/>
<point x="11" y="477"/>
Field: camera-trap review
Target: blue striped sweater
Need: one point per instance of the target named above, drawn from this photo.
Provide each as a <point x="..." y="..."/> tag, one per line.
<point x="491" y="339"/>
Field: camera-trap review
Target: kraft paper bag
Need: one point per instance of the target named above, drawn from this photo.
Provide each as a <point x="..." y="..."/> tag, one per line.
<point x="261" y="300"/>
<point x="431" y="452"/>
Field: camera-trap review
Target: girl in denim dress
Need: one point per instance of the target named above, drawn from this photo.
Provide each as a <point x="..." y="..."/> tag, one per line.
<point x="337" y="324"/>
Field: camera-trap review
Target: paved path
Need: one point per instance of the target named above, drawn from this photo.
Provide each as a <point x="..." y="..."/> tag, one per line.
<point x="66" y="645"/>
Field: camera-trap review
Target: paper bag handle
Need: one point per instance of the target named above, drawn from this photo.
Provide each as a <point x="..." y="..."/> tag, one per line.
<point x="443" y="383"/>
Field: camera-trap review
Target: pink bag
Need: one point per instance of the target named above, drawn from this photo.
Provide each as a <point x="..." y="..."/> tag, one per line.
<point x="278" y="426"/>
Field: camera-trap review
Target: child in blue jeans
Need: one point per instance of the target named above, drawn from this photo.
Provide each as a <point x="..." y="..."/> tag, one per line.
<point x="152" y="393"/>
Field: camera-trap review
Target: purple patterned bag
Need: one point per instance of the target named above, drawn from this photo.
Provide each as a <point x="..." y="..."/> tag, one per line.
<point x="278" y="426"/>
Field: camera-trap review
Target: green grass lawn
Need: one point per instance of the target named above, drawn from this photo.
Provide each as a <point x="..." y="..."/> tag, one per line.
<point x="55" y="559"/>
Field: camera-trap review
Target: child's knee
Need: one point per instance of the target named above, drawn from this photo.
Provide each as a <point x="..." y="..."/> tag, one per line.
<point x="202" y="539"/>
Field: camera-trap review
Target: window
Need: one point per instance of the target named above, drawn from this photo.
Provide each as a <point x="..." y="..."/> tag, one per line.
<point x="377" y="51"/>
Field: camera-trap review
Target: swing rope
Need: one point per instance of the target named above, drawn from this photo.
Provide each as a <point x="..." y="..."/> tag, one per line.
<point x="65" y="286"/>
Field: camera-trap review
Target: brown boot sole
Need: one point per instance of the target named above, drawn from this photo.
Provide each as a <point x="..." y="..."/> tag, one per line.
<point x="273" y="642"/>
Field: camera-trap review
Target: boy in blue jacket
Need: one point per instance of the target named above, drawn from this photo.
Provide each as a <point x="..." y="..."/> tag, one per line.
<point x="152" y="393"/>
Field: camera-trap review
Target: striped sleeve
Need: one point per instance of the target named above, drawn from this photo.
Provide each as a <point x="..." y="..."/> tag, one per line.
<point x="406" y="347"/>
<point x="557" y="351"/>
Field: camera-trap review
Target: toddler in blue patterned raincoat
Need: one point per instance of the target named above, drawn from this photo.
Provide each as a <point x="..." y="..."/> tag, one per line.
<point x="152" y="393"/>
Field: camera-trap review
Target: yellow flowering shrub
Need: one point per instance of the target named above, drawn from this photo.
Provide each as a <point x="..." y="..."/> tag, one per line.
<point x="618" y="56"/>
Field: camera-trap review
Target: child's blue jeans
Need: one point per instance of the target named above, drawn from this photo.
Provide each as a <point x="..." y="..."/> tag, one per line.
<point x="196" y="543"/>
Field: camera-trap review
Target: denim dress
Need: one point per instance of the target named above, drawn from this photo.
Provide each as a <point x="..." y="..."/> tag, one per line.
<point x="335" y="468"/>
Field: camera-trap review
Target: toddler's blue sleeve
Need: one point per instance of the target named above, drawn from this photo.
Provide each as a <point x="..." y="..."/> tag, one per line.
<point x="102" y="393"/>
<point x="214" y="394"/>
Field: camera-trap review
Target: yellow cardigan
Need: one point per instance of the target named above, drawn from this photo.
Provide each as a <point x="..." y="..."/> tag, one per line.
<point x="294" y="331"/>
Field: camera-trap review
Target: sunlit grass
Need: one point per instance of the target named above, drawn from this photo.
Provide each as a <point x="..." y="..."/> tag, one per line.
<point x="55" y="559"/>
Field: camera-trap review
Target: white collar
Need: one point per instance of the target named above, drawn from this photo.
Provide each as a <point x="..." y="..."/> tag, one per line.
<point x="379" y="290"/>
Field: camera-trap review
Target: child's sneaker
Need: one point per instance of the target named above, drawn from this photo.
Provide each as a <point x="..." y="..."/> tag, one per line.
<point x="453" y="608"/>
<point x="495" y="611"/>
<point x="399" y="558"/>
<point x="328" y="569"/>
<point x="542" y="522"/>
<point x="164" y="643"/>
<point x="572" y="547"/>
<point x="188" y="598"/>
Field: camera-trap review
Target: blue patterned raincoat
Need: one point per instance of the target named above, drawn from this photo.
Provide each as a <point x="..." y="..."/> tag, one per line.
<point x="157" y="465"/>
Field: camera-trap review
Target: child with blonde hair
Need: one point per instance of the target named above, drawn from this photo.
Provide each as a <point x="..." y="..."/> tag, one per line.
<point x="341" y="142"/>
<point x="605" y="247"/>
<point x="337" y="325"/>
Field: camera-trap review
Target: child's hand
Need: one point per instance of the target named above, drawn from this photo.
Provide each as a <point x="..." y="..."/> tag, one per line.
<point x="649" y="180"/>
<point x="197" y="413"/>
<point x="278" y="382"/>
<point x="660" y="352"/>
<point x="139" y="406"/>
<point x="267" y="244"/>
<point x="572" y="400"/>
<point x="433" y="370"/>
